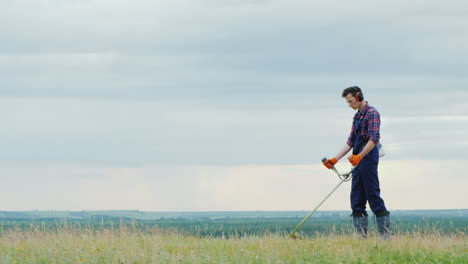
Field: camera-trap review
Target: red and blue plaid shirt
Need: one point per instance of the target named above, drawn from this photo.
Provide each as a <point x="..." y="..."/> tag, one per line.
<point x="370" y="125"/>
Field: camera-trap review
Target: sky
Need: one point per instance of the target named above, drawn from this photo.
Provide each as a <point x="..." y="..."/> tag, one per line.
<point x="227" y="105"/>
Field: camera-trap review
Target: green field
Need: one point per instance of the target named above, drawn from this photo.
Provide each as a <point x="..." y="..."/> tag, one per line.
<point x="227" y="237"/>
<point x="127" y="245"/>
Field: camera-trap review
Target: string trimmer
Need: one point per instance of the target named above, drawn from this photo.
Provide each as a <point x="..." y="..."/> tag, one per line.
<point x="345" y="177"/>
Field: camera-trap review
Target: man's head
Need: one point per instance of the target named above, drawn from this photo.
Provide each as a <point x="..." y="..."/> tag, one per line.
<point x="353" y="96"/>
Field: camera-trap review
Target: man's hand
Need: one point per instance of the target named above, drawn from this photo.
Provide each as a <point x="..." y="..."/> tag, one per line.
<point x="330" y="163"/>
<point x="355" y="159"/>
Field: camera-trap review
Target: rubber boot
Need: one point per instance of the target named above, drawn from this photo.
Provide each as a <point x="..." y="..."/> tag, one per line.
<point x="360" y="226"/>
<point x="383" y="225"/>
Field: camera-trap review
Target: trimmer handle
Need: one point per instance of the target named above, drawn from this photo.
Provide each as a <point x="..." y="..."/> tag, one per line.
<point x="333" y="167"/>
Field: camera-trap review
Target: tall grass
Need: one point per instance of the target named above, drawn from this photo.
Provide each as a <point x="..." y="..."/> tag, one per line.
<point x="130" y="244"/>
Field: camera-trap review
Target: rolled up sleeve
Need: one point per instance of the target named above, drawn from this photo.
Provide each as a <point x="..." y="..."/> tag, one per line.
<point x="374" y="126"/>
<point x="351" y="137"/>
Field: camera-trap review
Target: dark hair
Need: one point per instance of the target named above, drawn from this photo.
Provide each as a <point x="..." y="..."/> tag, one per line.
<point x="351" y="90"/>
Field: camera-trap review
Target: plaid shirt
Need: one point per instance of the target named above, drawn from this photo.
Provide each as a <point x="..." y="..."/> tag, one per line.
<point x="370" y="125"/>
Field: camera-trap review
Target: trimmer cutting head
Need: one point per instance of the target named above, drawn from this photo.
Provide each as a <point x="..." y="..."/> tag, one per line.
<point x="294" y="236"/>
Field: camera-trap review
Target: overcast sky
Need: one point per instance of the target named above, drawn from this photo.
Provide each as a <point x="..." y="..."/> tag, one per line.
<point x="227" y="105"/>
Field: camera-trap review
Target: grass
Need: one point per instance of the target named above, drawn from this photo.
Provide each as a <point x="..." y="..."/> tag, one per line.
<point x="132" y="245"/>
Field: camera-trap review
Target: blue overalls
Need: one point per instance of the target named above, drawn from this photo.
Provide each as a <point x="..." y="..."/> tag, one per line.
<point x="365" y="183"/>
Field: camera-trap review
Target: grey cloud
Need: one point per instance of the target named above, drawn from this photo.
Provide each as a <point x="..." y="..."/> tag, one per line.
<point x="224" y="82"/>
<point x="133" y="133"/>
<point x="149" y="48"/>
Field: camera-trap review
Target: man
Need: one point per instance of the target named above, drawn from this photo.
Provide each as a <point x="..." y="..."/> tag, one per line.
<point x="364" y="138"/>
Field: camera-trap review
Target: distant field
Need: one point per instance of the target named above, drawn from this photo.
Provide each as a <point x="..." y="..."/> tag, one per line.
<point x="227" y="224"/>
<point x="140" y="215"/>
<point x="133" y="245"/>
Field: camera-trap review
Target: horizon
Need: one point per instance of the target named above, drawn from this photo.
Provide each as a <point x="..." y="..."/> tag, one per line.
<point x="130" y="210"/>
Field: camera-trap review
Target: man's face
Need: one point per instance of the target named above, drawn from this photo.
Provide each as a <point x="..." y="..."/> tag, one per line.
<point x="352" y="102"/>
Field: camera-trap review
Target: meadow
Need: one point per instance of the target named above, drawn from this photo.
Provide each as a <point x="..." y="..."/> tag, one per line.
<point x="325" y="239"/>
<point x="127" y="245"/>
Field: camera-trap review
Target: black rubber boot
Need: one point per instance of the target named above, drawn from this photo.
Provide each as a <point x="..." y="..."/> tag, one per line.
<point x="360" y="223"/>
<point x="383" y="225"/>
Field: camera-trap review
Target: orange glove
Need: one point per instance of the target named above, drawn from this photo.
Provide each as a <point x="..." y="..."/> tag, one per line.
<point x="330" y="162"/>
<point x="355" y="159"/>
